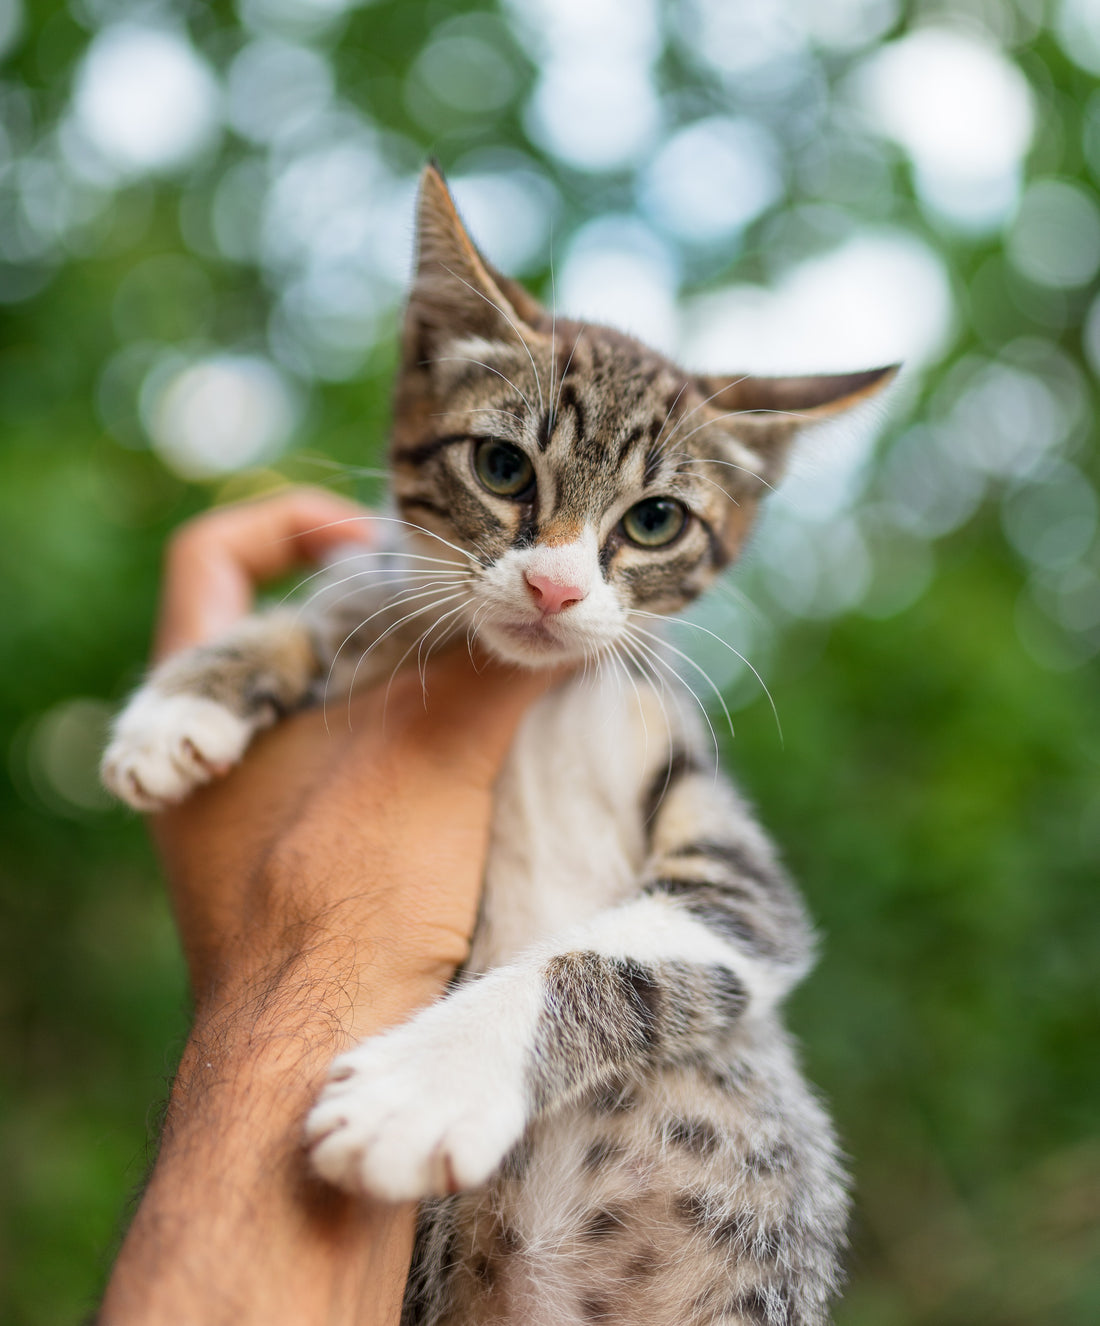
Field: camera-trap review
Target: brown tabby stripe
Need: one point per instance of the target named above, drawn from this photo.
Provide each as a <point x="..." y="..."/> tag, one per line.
<point x="735" y="857"/>
<point x="653" y="460"/>
<point x="545" y="429"/>
<point x="424" y="451"/>
<point x="569" y="400"/>
<point x="630" y="441"/>
<point x="680" y="763"/>
<point x="718" y="907"/>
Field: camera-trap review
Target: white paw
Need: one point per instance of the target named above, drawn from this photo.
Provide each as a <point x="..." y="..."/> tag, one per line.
<point x="416" y="1113"/>
<point x="164" y="746"/>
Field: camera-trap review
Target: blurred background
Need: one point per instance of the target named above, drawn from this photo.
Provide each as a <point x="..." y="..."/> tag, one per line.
<point x="205" y="230"/>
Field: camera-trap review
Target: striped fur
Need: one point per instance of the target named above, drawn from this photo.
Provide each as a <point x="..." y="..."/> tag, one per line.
<point x="605" y="1118"/>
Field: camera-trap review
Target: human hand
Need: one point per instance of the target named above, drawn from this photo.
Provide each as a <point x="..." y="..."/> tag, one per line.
<point x="361" y="839"/>
<point x="324" y="890"/>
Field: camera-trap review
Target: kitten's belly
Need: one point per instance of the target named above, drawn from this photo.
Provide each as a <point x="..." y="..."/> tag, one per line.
<point x="566" y="837"/>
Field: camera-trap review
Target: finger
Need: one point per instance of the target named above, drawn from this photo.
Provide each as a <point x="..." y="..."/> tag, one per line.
<point x="215" y="563"/>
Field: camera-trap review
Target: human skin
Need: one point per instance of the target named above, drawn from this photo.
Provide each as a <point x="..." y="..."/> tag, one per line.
<point x="324" y="890"/>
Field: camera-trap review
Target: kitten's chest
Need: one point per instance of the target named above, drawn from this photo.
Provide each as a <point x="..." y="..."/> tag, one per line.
<point x="567" y="837"/>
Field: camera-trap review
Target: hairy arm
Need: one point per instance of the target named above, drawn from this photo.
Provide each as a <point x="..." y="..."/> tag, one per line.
<point x="324" y="891"/>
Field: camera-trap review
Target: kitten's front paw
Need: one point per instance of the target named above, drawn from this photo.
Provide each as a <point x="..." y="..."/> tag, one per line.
<point x="164" y="746"/>
<point x="408" y="1115"/>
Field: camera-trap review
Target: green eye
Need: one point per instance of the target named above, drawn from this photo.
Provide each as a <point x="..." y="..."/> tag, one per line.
<point x="503" y="469"/>
<point x="654" y="522"/>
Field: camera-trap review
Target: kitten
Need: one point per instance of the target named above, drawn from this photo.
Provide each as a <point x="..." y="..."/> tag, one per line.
<point x="609" y="1123"/>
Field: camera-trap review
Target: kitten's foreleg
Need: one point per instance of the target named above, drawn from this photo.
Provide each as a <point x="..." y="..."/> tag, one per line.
<point x="198" y="710"/>
<point x="716" y="935"/>
<point x="434" y="1106"/>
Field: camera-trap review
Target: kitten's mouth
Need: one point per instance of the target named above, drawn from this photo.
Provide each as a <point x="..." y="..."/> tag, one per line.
<point x="531" y="633"/>
<point x="534" y="643"/>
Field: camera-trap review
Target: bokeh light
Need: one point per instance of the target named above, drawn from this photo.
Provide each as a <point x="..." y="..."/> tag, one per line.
<point x="713" y="178"/>
<point x="275" y="87"/>
<point x="511" y="207"/>
<point x="11" y="24"/>
<point x="618" y="271"/>
<point x="1077" y="23"/>
<point x="63" y="748"/>
<point x="145" y="100"/>
<point x="217" y="414"/>
<point x="963" y="112"/>
<point x="894" y="292"/>
<point x="1055" y="239"/>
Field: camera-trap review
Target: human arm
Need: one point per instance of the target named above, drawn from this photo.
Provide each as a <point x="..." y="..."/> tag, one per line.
<point x="324" y="890"/>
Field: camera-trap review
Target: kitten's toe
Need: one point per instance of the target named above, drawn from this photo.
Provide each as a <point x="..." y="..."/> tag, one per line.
<point x="166" y="745"/>
<point x="405" y="1157"/>
<point x="401" y="1132"/>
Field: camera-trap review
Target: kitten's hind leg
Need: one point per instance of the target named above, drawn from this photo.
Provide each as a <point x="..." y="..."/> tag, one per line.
<point x="195" y="715"/>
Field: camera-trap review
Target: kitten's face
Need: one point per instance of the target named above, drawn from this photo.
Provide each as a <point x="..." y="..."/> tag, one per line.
<point x="579" y="478"/>
<point x="583" y="482"/>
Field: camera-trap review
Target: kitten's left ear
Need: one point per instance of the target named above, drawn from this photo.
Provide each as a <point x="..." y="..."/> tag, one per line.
<point x="766" y="413"/>
<point x="455" y="291"/>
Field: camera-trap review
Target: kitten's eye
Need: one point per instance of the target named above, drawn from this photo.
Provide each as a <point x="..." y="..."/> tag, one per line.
<point x="503" y="469"/>
<point x="654" y="522"/>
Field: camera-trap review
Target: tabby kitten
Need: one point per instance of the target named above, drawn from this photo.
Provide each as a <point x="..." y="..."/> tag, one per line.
<point x="605" y="1116"/>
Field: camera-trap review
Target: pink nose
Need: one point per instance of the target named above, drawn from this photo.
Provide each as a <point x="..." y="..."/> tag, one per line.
<point x="552" y="595"/>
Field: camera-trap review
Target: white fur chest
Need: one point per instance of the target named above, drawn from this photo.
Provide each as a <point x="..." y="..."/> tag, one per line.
<point x="567" y="838"/>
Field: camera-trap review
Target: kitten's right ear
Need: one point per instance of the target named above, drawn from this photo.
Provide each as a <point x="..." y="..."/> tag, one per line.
<point x="455" y="292"/>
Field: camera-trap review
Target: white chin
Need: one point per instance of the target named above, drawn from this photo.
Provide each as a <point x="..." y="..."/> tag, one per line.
<point x="529" y="644"/>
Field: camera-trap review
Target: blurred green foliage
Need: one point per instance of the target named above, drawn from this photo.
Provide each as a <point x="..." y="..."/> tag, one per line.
<point x="938" y="790"/>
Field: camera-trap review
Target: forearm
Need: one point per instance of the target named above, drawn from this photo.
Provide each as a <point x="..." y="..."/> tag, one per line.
<point x="324" y="891"/>
<point x="233" y="1227"/>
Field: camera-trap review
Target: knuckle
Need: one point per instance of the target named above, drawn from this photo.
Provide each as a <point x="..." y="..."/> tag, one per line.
<point x="191" y="536"/>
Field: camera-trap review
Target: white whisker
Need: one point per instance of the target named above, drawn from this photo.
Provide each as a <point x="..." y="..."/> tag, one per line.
<point x="620" y="662"/>
<point x="696" y="408"/>
<point x="698" y="626"/>
<point x="552" y="417"/>
<point x="422" y="664"/>
<point x="372" y="518"/>
<point x="402" y="587"/>
<point x="443" y="562"/>
<point x="366" y="518"/>
<point x="506" y="433"/>
<point x="713" y="460"/>
<point x="663" y="662"/>
<point x="471" y="631"/>
<point x="668" y="415"/>
<point x="568" y="362"/>
<point x="479" y="409"/>
<point x="399" y="574"/>
<point x="398" y="603"/>
<point x="416" y="612"/>
<point x="691" y="663"/>
<point x="647" y="669"/>
<point x="731" y="414"/>
<point x="493" y="304"/>
<point x="714" y="484"/>
<point x="406" y="595"/>
<point x="417" y="644"/>
<point x="410" y="596"/>
<point x="409" y="524"/>
<point x="465" y="359"/>
<point x="342" y="468"/>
